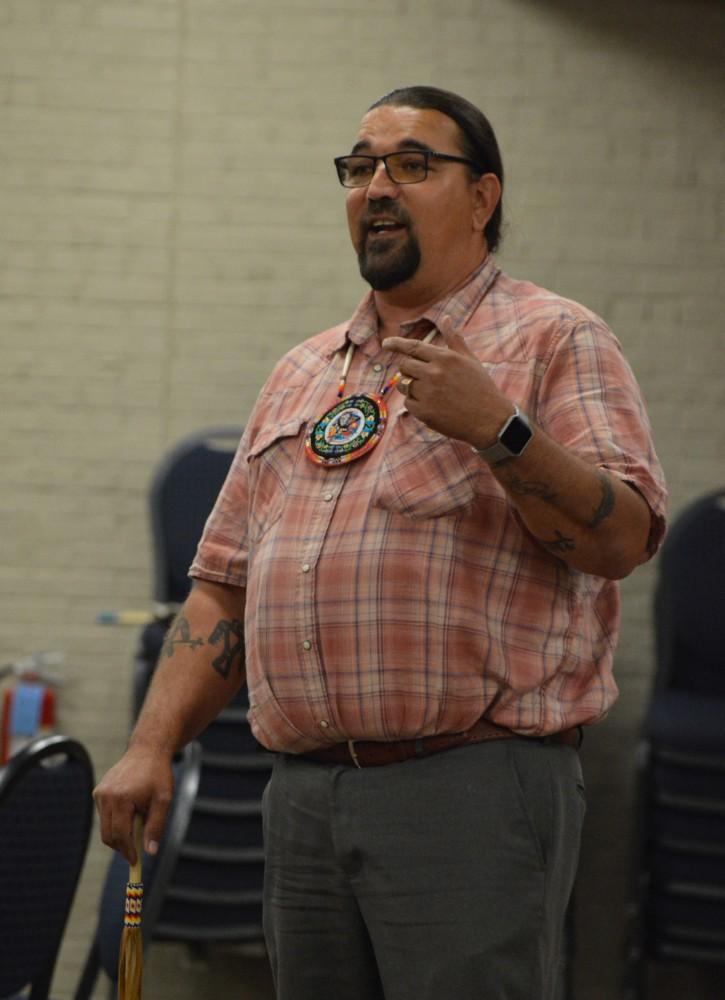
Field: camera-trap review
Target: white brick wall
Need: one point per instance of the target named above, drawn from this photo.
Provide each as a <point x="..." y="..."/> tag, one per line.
<point x="171" y="224"/>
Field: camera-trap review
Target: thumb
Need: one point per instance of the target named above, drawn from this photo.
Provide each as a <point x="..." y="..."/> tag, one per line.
<point x="454" y="341"/>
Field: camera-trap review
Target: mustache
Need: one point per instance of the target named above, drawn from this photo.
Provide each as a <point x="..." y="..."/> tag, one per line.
<point x="383" y="206"/>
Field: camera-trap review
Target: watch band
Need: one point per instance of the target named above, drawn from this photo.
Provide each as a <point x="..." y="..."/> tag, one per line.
<point x="511" y="440"/>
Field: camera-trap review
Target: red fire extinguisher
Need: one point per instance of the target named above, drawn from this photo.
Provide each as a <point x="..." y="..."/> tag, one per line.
<point x="28" y="704"/>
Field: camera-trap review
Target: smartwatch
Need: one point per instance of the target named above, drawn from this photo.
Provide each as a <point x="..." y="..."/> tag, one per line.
<point x="511" y="440"/>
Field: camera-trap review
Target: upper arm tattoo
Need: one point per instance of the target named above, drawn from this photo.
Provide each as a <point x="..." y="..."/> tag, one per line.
<point x="232" y="632"/>
<point x="180" y="635"/>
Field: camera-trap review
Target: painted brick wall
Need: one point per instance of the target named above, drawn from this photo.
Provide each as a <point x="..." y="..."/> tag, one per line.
<point x="171" y="224"/>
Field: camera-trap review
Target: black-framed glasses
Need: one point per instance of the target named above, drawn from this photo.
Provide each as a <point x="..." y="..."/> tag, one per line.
<point x="410" y="166"/>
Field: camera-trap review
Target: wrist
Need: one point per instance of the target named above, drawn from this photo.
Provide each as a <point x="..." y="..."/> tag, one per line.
<point x="513" y="437"/>
<point x="145" y="745"/>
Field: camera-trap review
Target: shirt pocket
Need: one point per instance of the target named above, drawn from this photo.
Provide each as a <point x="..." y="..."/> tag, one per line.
<point x="271" y="460"/>
<point x="424" y="474"/>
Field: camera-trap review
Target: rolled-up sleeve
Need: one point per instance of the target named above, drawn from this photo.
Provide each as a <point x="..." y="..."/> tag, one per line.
<point x="589" y="401"/>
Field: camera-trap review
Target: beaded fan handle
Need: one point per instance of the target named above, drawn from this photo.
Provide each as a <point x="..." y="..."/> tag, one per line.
<point x="134" y="886"/>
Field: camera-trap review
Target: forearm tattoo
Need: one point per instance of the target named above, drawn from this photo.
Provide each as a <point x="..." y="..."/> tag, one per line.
<point x="531" y="488"/>
<point x="232" y="633"/>
<point x="565" y="543"/>
<point x="179" y="635"/>
<point x="606" y="504"/>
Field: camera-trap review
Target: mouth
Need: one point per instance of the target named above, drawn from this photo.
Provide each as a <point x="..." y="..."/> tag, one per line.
<point x="378" y="228"/>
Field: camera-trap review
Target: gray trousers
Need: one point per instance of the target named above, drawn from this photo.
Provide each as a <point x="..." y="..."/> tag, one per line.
<point x="442" y="878"/>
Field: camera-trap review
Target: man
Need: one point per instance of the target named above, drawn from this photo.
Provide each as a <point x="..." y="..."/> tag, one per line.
<point x="422" y="530"/>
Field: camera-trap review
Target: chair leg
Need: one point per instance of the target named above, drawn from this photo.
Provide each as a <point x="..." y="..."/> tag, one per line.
<point x="40" y="989"/>
<point x="636" y="975"/>
<point x="84" y="989"/>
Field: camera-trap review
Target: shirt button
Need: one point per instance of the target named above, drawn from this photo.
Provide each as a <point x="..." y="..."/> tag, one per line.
<point x="306" y="568"/>
<point x="307" y="644"/>
<point x="327" y="497"/>
<point x="324" y="724"/>
<point x="377" y="367"/>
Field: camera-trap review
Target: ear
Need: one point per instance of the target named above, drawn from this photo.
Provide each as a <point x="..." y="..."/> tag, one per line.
<point x="486" y="196"/>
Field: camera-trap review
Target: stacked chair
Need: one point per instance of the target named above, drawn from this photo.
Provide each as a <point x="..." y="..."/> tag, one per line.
<point x="46" y="813"/>
<point x="215" y="891"/>
<point x="206" y="881"/>
<point x="677" y="910"/>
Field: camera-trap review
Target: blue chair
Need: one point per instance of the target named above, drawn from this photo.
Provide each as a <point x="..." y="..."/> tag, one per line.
<point x="182" y="494"/>
<point x="677" y="909"/>
<point x="183" y="490"/>
<point x="46" y="812"/>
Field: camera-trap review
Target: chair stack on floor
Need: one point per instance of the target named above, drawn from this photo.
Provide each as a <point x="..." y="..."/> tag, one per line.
<point x="208" y="887"/>
<point x="215" y="892"/>
<point x="678" y="906"/>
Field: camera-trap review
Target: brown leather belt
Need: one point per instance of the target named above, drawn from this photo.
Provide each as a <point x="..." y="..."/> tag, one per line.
<point x="369" y="753"/>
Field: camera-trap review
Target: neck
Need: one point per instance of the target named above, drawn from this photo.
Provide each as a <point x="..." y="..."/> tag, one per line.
<point x="406" y="303"/>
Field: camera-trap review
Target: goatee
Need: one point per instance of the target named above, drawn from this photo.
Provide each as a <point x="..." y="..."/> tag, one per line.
<point x="381" y="264"/>
<point x="384" y="268"/>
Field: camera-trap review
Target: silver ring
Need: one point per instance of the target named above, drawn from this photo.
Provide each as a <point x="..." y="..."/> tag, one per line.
<point x="404" y="385"/>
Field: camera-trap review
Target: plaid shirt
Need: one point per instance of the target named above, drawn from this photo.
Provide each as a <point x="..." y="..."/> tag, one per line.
<point x="400" y="595"/>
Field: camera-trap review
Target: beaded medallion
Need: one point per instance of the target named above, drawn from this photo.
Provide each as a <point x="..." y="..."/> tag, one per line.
<point x="348" y="430"/>
<point x="354" y="425"/>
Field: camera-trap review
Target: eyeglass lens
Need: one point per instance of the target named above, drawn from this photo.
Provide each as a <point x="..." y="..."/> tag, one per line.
<point x="403" y="168"/>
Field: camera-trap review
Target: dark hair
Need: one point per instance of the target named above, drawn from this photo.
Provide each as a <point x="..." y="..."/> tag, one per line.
<point x="477" y="138"/>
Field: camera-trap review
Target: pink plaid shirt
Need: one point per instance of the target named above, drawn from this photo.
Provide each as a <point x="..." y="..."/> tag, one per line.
<point x="399" y="595"/>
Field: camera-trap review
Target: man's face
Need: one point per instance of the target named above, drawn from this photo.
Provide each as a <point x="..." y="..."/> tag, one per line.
<point x="423" y="236"/>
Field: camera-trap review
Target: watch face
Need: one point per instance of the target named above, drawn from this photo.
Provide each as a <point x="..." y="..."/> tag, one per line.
<point x="516" y="436"/>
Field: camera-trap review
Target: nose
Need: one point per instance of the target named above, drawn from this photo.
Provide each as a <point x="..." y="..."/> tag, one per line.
<point x="381" y="184"/>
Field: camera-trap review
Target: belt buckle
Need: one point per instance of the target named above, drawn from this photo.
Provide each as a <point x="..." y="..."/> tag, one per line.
<point x="353" y="753"/>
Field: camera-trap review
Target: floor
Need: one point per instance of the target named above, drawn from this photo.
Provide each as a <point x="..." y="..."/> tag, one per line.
<point x="239" y="977"/>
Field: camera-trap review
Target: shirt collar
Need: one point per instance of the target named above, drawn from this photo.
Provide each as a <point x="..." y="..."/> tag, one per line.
<point x="458" y="306"/>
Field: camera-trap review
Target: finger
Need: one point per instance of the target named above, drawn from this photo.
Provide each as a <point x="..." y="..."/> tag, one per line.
<point x="156" y="820"/>
<point x="411" y="348"/>
<point x="128" y="843"/>
<point x="104" y="814"/>
<point x="413" y="367"/>
<point x="117" y="826"/>
<point x="454" y="341"/>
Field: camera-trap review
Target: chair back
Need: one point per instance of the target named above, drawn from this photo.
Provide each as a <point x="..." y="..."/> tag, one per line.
<point x="183" y="492"/>
<point x="46" y="811"/>
<point x="689" y="600"/>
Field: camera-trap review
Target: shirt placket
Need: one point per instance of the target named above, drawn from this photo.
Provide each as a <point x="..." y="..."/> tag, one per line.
<point x="321" y="513"/>
<point x="366" y="375"/>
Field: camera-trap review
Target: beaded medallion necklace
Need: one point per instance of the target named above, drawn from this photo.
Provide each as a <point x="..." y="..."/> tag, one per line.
<point x="354" y="425"/>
